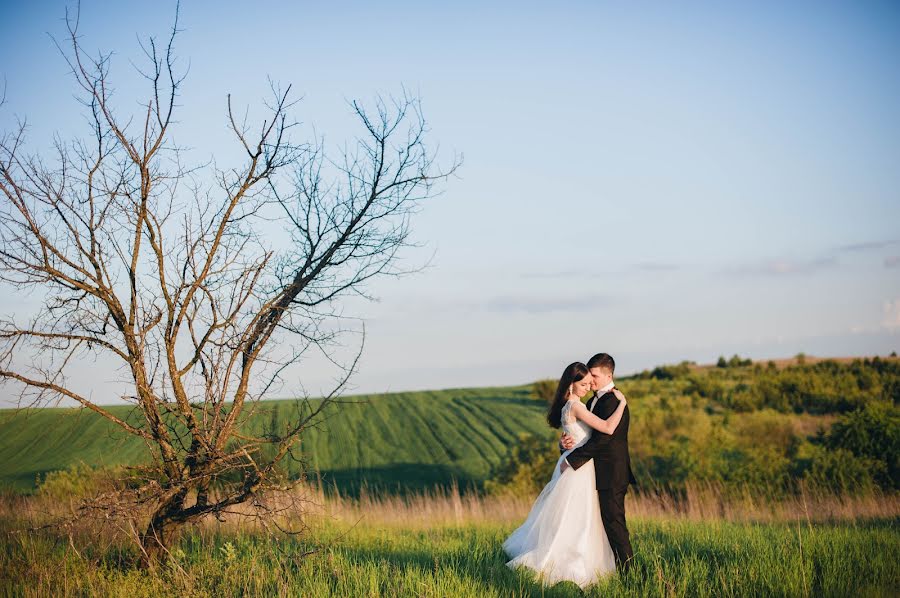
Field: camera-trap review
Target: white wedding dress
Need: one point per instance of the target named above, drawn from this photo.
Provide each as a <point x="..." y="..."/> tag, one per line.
<point x="563" y="537"/>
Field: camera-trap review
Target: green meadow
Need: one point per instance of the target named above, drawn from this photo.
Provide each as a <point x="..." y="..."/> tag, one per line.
<point x="756" y="480"/>
<point x="674" y="558"/>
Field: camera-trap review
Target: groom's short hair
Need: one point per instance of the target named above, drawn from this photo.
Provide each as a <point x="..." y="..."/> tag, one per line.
<point x="604" y="361"/>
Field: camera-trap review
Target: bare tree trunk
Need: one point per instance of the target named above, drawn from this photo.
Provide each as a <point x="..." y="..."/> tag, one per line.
<point x="162" y="530"/>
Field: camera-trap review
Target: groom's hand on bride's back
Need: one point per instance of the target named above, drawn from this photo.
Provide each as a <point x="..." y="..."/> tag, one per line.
<point x="566" y="442"/>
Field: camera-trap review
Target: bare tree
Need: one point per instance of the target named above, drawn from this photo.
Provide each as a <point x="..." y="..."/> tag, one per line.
<point x="168" y="270"/>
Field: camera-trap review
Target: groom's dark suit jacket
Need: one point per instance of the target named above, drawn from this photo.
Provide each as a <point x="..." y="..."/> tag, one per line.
<point x="612" y="462"/>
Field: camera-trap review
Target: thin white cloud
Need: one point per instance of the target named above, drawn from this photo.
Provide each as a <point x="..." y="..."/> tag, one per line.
<point x="656" y="267"/>
<point x="784" y="267"/>
<point x="623" y="270"/>
<point x="553" y="275"/>
<point x="539" y="305"/>
<point x="869" y="245"/>
<point x="891" y="315"/>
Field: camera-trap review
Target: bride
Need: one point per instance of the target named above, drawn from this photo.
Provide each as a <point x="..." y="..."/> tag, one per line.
<point x="563" y="537"/>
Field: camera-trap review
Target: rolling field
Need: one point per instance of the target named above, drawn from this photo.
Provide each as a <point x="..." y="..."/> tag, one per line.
<point x="397" y="442"/>
<point x="758" y="428"/>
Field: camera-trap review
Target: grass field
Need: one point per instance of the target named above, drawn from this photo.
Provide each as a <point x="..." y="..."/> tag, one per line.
<point x="403" y="522"/>
<point x="674" y="558"/>
<point x="449" y="544"/>
<point x="403" y="441"/>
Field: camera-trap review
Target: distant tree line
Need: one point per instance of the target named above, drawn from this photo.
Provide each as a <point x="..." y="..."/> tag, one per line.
<point x="734" y="362"/>
<point x="824" y="387"/>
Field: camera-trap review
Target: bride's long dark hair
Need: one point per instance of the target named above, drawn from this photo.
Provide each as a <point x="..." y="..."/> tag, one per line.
<point x="574" y="372"/>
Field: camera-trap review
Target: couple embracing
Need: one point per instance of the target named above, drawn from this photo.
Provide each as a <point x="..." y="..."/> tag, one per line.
<point x="576" y="530"/>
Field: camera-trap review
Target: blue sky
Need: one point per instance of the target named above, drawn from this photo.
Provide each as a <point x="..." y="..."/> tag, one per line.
<point x="662" y="181"/>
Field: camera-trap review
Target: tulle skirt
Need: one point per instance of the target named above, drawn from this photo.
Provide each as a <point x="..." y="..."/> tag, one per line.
<point x="563" y="537"/>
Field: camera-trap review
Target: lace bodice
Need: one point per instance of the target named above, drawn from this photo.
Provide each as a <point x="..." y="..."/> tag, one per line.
<point x="575" y="428"/>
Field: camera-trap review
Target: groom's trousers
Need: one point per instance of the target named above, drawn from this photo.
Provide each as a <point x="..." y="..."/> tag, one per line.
<point x="612" y="511"/>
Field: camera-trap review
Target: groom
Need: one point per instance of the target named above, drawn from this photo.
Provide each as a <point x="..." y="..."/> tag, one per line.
<point x="612" y="464"/>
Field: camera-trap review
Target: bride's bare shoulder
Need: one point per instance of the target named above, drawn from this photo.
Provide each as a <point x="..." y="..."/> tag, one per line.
<point x="578" y="406"/>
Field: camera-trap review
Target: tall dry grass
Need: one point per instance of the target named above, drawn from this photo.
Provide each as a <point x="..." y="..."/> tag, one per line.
<point x="443" y="507"/>
<point x="700" y="502"/>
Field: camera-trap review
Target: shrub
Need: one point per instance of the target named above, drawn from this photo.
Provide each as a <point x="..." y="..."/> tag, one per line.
<point x="669" y="372"/>
<point x="76" y="482"/>
<point x="745" y="397"/>
<point x="760" y="468"/>
<point x="705" y="386"/>
<point x="736" y="362"/>
<point x="841" y="471"/>
<point x="872" y="434"/>
<point x="544" y="390"/>
<point x="527" y="468"/>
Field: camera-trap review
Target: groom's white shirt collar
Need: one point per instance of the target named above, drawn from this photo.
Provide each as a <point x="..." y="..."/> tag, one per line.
<point x="600" y="393"/>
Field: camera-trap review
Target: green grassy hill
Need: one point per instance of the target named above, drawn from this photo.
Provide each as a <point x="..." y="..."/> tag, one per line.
<point x="398" y="442"/>
<point x="831" y="424"/>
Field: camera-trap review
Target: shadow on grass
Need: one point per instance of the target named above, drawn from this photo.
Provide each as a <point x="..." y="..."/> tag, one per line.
<point x="398" y="479"/>
<point x="23" y="482"/>
<point x="488" y="572"/>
